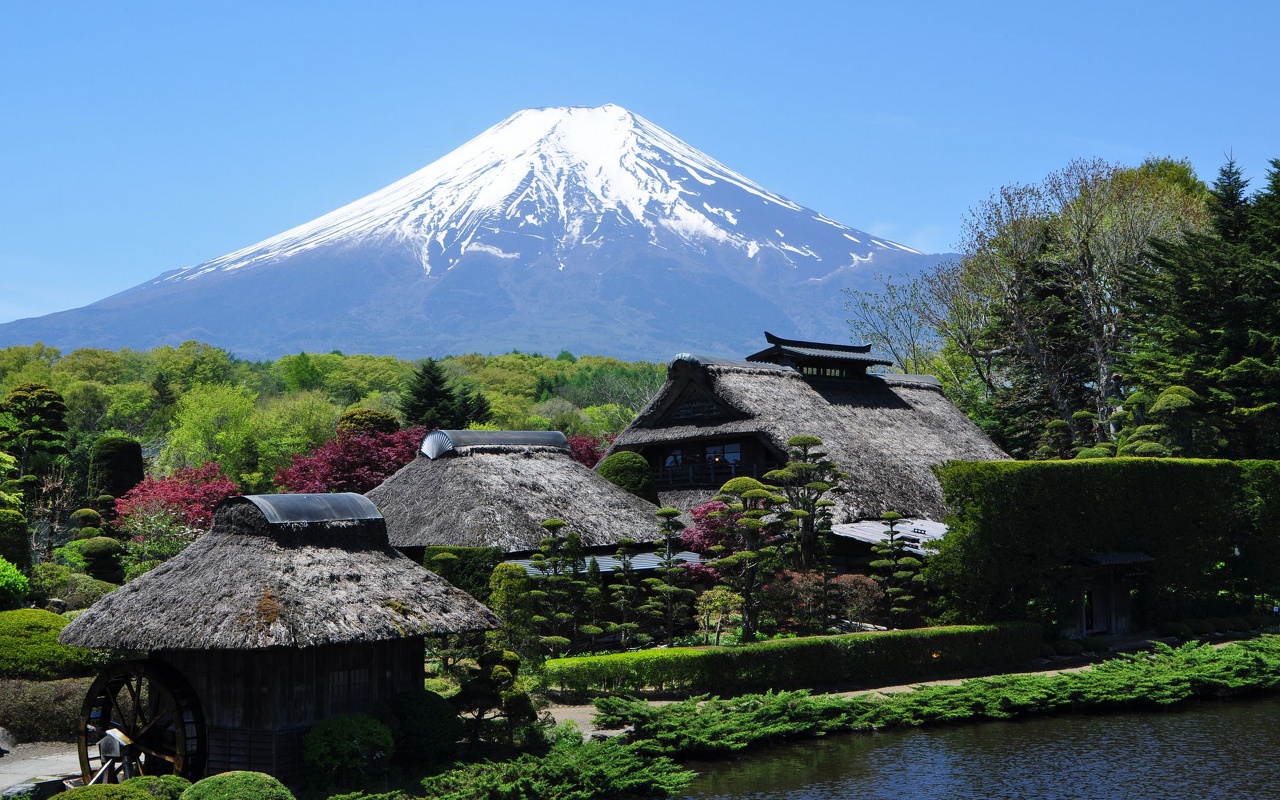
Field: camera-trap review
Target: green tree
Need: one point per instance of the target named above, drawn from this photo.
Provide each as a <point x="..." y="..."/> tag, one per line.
<point x="629" y="471"/>
<point x="898" y="572"/>
<point x="510" y="597"/>
<point x="115" y="465"/>
<point x="806" y="481"/>
<point x="213" y="422"/>
<point x="32" y="424"/>
<point x="670" y="596"/>
<point x="428" y="401"/>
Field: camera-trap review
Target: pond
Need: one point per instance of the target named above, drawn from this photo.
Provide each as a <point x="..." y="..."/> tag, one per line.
<point x="1208" y="750"/>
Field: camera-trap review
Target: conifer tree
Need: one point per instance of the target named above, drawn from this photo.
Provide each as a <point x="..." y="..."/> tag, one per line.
<point x="428" y="401"/>
<point x="897" y="571"/>
<point x="670" y="598"/>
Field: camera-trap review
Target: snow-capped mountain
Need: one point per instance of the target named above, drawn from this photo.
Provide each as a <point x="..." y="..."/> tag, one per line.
<point x="590" y="229"/>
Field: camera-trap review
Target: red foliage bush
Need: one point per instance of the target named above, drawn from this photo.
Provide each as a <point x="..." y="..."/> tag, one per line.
<point x="353" y="462"/>
<point x="588" y="450"/>
<point x="190" y="493"/>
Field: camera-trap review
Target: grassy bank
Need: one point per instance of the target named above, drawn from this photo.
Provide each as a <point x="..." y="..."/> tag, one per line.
<point x="1166" y="676"/>
<point x="644" y="762"/>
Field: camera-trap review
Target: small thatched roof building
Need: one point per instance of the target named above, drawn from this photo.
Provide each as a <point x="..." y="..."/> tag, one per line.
<point x="715" y="419"/>
<point x="496" y="488"/>
<point x="291" y="609"/>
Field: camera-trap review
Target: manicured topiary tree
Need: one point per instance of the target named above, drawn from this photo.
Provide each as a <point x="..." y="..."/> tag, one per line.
<point x="238" y="785"/>
<point x="115" y="465"/>
<point x="897" y="571"/>
<point x="425" y="726"/>
<point x="630" y="472"/>
<point x="13" y="585"/>
<point x="165" y="787"/>
<point x="102" y="558"/>
<point x="85" y="518"/>
<point x="15" y="542"/>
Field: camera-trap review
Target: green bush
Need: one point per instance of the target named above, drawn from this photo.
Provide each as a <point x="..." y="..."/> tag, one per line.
<point x="239" y="785"/>
<point x="629" y="471"/>
<point x="1177" y="629"/>
<point x="468" y="568"/>
<point x="85" y="518"/>
<point x="1190" y="515"/>
<point x="42" y="711"/>
<point x="15" y="542"/>
<point x="166" y="787"/>
<point x="1068" y="647"/>
<point x="571" y="770"/>
<point x="105" y="791"/>
<point x="115" y="465"/>
<point x="1093" y="645"/>
<point x="424" y="726"/>
<point x="1239" y="625"/>
<point x="800" y="663"/>
<point x="1220" y="624"/>
<point x="85" y="533"/>
<point x="29" y="647"/>
<point x="13" y="585"/>
<point x="339" y="749"/>
<point x="102" y="558"/>
<point x="1199" y="627"/>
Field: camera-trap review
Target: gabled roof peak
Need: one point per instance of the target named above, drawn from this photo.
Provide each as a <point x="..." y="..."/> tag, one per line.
<point x="843" y="348"/>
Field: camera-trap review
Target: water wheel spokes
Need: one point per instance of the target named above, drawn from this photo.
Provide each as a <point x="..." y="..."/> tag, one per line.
<point x="140" y="718"/>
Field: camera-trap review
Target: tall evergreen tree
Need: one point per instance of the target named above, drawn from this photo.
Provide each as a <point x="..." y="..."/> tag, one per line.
<point x="32" y="422"/>
<point x="428" y="401"/>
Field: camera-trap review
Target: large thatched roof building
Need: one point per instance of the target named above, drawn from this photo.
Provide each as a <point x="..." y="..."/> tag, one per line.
<point x="496" y="488"/>
<point x="291" y="609"/>
<point x="715" y="419"/>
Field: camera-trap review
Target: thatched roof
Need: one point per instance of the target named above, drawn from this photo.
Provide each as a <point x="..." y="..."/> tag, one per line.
<point x="498" y="495"/>
<point x="887" y="431"/>
<point x="250" y="584"/>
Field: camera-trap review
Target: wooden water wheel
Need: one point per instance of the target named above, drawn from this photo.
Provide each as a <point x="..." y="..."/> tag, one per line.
<point x="140" y="718"/>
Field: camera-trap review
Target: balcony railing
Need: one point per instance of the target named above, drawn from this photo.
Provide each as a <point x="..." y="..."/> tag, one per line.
<point x="712" y="473"/>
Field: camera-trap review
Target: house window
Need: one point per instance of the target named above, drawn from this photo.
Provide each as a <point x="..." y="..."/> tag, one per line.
<point x="696" y="408"/>
<point x="674" y="459"/>
<point x="729" y="453"/>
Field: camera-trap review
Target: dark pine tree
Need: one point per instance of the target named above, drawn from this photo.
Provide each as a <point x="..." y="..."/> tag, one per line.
<point x="428" y="401"/>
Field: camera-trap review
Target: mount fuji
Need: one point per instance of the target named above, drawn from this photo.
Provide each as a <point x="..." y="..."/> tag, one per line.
<point x="590" y="229"/>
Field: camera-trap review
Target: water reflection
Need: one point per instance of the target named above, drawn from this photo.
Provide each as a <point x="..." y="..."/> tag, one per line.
<point x="1225" y="750"/>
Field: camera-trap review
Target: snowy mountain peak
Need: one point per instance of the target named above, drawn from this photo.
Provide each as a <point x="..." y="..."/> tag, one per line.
<point x="547" y="180"/>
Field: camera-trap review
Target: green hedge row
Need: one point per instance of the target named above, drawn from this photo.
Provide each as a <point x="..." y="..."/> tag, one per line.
<point x="1020" y="534"/>
<point x="29" y="647"/>
<point x="800" y="663"/>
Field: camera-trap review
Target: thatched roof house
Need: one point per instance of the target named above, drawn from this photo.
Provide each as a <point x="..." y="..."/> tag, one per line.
<point x="291" y="609"/>
<point x="714" y="419"/>
<point x="281" y="571"/>
<point x="496" y="488"/>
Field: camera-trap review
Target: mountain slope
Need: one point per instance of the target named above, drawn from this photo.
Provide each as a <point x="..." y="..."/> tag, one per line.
<point x="583" y="228"/>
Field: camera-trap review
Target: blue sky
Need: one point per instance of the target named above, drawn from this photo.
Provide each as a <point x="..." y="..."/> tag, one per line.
<point x="141" y="137"/>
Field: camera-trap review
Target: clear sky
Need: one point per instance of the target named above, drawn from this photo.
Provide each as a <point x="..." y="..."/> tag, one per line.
<point x="140" y="137"/>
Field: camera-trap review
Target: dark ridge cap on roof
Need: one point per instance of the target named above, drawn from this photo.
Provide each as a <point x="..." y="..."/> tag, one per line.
<point x="847" y="348"/>
<point x="440" y="442"/>
<point x="280" y="509"/>
<point x="900" y="379"/>
<point x="716" y="361"/>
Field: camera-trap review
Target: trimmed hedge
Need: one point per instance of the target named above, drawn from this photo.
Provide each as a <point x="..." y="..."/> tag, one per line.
<point x="1020" y="532"/>
<point x="105" y="791"/>
<point x="29" y="647"/>
<point x="800" y="663"/>
<point x="239" y="785"/>
<point x="166" y="787"/>
<point x="42" y="711"/>
<point x="630" y="472"/>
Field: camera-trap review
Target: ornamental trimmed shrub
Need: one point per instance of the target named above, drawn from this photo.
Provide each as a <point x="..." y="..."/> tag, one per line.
<point x="105" y="791"/>
<point x="42" y="711"/>
<point x="116" y="465"/>
<point x="13" y="585"/>
<point x="166" y="787"/>
<point x="29" y="647"/>
<point x="800" y="663"/>
<point x="15" y="542"/>
<point x="102" y="558"/>
<point x="340" y="749"/>
<point x="85" y="518"/>
<point x="630" y="472"/>
<point x="237" y="785"/>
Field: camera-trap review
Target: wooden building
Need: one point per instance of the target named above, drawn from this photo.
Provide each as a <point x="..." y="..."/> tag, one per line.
<point x="293" y="608"/>
<point x="715" y="419"/>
